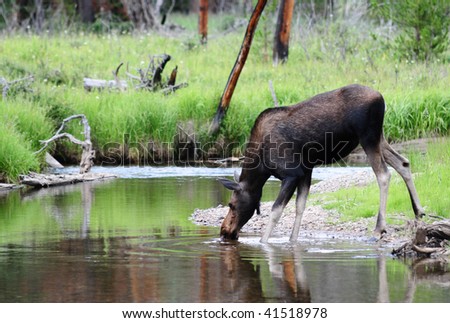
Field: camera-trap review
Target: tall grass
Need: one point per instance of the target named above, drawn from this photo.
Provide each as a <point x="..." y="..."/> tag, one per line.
<point x="320" y="59"/>
<point x="28" y="119"/>
<point x="431" y="173"/>
<point x="417" y="116"/>
<point x="15" y="154"/>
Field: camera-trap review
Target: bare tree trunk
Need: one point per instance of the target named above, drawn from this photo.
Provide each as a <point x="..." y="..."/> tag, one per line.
<point x="238" y="66"/>
<point x="246" y="7"/>
<point x="142" y="13"/>
<point x="193" y="6"/>
<point x="39" y="15"/>
<point x="158" y="6"/>
<point x="86" y="11"/>
<point x="283" y="30"/>
<point x="88" y="154"/>
<point x="203" y="21"/>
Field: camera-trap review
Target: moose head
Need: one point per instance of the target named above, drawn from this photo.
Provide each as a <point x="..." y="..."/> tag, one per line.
<point x="242" y="206"/>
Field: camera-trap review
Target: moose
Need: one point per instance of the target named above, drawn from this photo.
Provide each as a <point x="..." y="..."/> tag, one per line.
<point x="288" y="142"/>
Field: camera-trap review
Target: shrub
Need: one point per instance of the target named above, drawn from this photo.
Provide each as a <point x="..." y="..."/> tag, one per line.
<point x="423" y="24"/>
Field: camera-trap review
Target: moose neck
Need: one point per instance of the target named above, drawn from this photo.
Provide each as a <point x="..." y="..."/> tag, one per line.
<point x="253" y="181"/>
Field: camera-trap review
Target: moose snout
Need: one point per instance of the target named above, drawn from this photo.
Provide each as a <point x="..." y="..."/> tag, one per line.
<point x="227" y="234"/>
<point x="229" y="229"/>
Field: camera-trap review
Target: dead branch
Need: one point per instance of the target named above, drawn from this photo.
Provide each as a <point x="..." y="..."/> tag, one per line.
<point x="173" y="77"/>
<point x="150" y="78"/>
<point x="156" y="81"/>
<point x="171" y="89"/>
<point x="274" y="96"/>
<point x="116" y="77"/>
<point x="88" y="153"/>
<point x="23" y="82"/>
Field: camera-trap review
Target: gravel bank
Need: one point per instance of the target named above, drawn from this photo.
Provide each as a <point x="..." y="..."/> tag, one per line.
<point x="316" y="220"/>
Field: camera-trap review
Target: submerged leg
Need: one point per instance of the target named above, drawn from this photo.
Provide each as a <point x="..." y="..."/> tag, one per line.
<point x="288" y="186"/>
<point x="402" y="166"/>
<point x="300" y="204"/>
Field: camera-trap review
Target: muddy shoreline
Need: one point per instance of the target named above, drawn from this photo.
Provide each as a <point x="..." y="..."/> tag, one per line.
<point x="317" y="221"/>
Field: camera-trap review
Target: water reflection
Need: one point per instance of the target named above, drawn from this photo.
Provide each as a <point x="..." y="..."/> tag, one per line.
<point x="58" y="208"/>
<point x="132" y="241"/>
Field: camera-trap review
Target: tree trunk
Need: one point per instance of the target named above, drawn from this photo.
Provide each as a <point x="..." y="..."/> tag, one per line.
<point x="238" y="66"/>
<point x="39" y="15"/>
<point x="142" y="13"/>
<point x="282" y="33"/>
<point x="203" y="21"/>
<point x="86" y="11"/>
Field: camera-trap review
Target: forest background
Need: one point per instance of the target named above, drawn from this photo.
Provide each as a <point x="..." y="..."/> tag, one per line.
<point x="48" y="47"/>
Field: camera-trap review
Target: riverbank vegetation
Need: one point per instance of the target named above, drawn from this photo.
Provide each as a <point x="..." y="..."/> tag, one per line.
<point x="431" y="173"/>
<point x="141" y="127"/>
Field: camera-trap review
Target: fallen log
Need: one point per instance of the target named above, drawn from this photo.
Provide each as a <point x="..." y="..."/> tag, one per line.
<point x="426" y="250"/>
<point x="95" y="84"/>
<point x="150" y="79"/>
<point x="429" y="240"/>
<point x="48" y="180"/>
<point x="227" y="161"/>
<point x="8" y="187"/>
<point x="439" y="230"/>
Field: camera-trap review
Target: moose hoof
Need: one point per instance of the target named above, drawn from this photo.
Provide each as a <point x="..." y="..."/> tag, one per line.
<point x="380" y="231"/>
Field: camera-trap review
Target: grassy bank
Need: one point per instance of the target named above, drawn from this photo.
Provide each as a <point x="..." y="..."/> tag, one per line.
<point x="417" y="96"/>
<point x="431" y="174"/>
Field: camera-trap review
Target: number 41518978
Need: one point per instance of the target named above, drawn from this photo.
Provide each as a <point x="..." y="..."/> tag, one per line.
<point x="296" y="313"/>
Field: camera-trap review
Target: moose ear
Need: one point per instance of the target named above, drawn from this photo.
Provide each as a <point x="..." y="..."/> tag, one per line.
<point x="230" y="184"/>
<point x="236" y="176"/>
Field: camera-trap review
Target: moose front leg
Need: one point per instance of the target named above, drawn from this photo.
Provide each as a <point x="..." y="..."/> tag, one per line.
<point x="288" y="186"/>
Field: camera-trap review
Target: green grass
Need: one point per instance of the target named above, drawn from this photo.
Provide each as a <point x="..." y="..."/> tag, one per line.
<point x="15" y="153"/>
<point x="320" y="59"/>
<point x="431" y="173"/>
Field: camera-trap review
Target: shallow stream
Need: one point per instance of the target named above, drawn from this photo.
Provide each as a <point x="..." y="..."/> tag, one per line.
<point x="131" y="240"/>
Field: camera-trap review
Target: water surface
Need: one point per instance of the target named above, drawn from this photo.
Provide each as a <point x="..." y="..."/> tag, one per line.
<point x="131" y="240"/>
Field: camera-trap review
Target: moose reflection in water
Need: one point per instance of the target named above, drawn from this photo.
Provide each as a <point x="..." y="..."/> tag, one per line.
<point x="288" y="142"/>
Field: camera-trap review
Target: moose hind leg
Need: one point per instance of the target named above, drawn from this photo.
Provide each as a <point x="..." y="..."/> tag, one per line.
<point x="288" y="186"/>
<point x="300" y="204"/>
<point x="383" y="177"/>
<point x="402" y="166"/>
